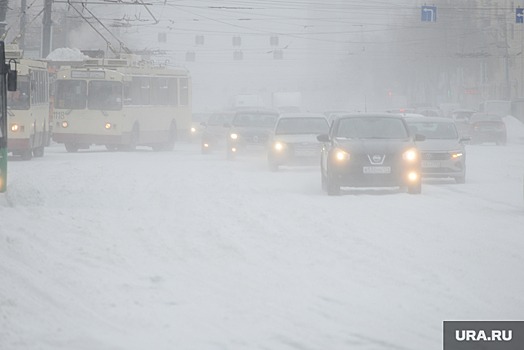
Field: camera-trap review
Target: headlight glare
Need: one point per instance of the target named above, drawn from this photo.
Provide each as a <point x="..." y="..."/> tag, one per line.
<point x="65" y="124"/>
<point x="341" y="155"/>
<point x="410" y="155"/>
<point x="456" y="155"/>
<point x="233" y="136"/>
<point x="413" y="176"/>
<point x="278" y="146"/>
<point x="15" y="127"/>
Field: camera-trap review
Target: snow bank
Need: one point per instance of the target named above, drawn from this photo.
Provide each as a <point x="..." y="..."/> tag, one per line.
<point x="66" y="54"/>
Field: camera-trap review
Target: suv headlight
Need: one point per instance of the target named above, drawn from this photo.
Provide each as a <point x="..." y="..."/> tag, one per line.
<point x="410" y="155"/>
<point x="339" y="155"/>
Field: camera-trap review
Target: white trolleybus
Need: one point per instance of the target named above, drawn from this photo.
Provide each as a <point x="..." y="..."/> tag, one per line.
<point x="121" y="103"/>
<point x="28" y="107"/>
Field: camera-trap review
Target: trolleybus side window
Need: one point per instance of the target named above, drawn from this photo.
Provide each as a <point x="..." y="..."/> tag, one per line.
<point x="159" y="93"/>
<point x="173" y="92"/>
<point x="71" y="94"/>
<point x="184" y="92"/>
<point x="105" y="95"/>
<point x="145" y="91"/>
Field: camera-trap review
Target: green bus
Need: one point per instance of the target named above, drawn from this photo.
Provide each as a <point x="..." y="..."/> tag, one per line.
<point x="7" y="83"/>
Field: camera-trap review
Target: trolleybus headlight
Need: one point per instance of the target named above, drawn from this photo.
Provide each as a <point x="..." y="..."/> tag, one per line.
<point x="15" y="127"/>
<point x="233" y="136"/>
<point x="108" y="126"/>
<point x="65" y="124"/>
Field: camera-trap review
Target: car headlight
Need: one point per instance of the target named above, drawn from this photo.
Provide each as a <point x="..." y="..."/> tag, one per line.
<point x="15" y="127"/>
<point x="279" y="146"/>
<point x="410" y="155"/>
<point x="108" y="126"/>
<point x="413" y="176"/>
<point x="65" y="124"/>
<point x="340" y="155"/>
<point x="193" y="129"/>
<point x="456" y="155"/>
<point x="233" y="136"/>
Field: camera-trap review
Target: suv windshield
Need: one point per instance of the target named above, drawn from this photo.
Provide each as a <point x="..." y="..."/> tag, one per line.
<point x="302" y="126"/>
<point x="371" y="128"/>
<point x="256" y="120"/>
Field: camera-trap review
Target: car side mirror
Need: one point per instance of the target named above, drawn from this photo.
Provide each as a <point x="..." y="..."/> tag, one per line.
<point x="465" y="139"/>
<point x="323" y="138"/>
<point x="419" y="137"/>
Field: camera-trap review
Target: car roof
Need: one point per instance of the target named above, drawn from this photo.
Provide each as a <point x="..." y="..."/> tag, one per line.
<point x="370" y="114"/>
<point x="256" y="110"/>
<point x="464" y="110"/>
<point x="486" y="116"/>
<point x="302" y="115"/>
<point x="429" y="119"/>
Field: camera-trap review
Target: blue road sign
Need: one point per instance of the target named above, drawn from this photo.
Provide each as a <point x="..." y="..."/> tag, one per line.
<point x="428" y="14"/>
<point x="519" y="15"/>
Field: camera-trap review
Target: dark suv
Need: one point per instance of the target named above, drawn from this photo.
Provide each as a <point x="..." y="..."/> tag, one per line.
<point x="370" y="150"/>
<point x="249" y="131"/>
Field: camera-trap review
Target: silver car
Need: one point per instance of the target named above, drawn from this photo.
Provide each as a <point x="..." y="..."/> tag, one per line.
<point x="443" y="152"/>
<point x="294" y="140"/>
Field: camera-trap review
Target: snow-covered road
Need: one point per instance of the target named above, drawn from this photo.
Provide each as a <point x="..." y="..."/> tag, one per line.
<point x="148" y="250"/>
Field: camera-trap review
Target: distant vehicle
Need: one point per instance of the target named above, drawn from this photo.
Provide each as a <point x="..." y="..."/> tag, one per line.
<point x="429" y="111"/>
<point x="487" y="128"/>
<point x="370" y="150"/>
<point x="249" y="131"/>
<point x="294" y="140"/>
<point x="461" y="118"/>
<point x="197" y="118"/>
<point x="443" y="152"/>
<point x="214" y="131"/>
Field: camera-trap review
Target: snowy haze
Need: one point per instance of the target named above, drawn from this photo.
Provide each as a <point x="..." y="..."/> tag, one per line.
<point x="144" y="250"/>
<point x="178" y="250"/>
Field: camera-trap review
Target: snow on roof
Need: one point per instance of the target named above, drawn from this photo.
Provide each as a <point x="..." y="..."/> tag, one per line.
<point x="66" y="54"/>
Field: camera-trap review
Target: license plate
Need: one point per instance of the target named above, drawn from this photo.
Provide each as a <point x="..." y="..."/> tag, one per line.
<point x="376" y="169"/>
<point x="430" y="164"/>
<point x="255" y="147"/>
<point x="306" y="152"/>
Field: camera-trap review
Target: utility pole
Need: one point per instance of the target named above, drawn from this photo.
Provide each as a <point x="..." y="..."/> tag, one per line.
<point x="23" y="9"/>
<point x="46" y="34"/>
<point x="3" y="14"/>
